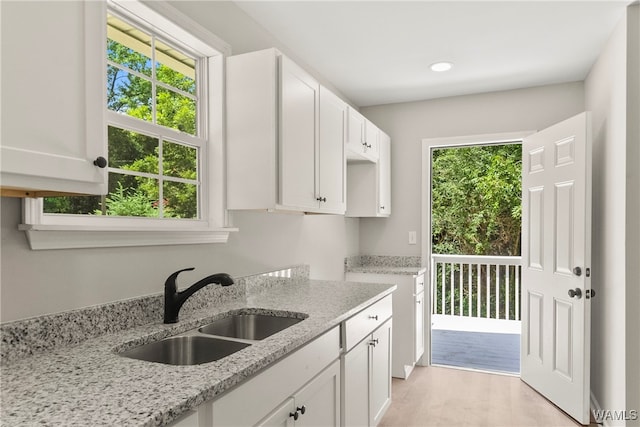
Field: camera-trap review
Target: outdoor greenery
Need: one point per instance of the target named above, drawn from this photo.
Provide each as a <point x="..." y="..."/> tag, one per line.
<point x="476" y="200"/>
<point x="129" y="193"/>
<point x="476" y="210"/>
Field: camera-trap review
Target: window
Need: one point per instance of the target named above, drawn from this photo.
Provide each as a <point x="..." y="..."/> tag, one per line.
<point x="163" y="129"/>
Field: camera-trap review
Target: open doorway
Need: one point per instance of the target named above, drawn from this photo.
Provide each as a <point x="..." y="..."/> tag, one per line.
<point x="475" y="229"/>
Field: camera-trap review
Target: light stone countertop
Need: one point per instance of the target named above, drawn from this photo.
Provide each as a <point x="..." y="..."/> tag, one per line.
<point x="384" y="264"/>
<point x="377" y="269"/>
<point x="88" y="384"/>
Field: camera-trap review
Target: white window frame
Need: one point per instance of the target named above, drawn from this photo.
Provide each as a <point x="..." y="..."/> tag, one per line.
<point x="59" y="231"/>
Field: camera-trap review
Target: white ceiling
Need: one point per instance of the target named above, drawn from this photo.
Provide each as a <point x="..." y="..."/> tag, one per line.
<point x="379" y="52"/>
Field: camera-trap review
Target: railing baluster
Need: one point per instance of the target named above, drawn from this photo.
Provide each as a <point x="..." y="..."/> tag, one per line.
<point x="517" y="290"/>
<point x="497" y="291"/>
<point x="460" y="313"/>
<point x="506" y="293"/>
<point x="451" y="285"/>
<point x="488" y="304"/>
<point x="478" y="289"/>
<point x="442" y="287"/>
<point x="469" y="290"/>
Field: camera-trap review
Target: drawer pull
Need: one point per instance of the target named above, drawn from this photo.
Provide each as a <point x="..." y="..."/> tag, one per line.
<point x="302" y="409"/>
<point x="374" y="317"/>
<point x="295" y="415"/>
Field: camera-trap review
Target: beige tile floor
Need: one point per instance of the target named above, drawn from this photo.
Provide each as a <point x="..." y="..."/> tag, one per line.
<point x="436" y="396"/>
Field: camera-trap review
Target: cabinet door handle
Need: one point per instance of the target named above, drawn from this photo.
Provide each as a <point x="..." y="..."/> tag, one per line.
<point x="321" y="199"/>
<point x="295" y="415"/>
<point x="374" y="317"/>
<point x="100" y="162"/>
<point x="302" y="409"/>
<point x="382" y="207"/>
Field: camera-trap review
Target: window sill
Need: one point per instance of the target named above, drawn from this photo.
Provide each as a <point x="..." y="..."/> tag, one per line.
<point x="43" y="237"/>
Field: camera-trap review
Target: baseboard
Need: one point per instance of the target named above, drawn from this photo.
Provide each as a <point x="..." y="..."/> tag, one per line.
<point x="595" y="406"/>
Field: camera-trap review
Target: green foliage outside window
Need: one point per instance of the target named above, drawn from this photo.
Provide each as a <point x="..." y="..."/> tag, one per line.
<point x="129" y="151"/>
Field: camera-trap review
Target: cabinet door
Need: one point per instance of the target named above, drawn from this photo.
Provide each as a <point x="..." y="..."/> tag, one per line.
<point x="356" y="385"/>
<point x="282" y="416"/>
<point x="384" y="176"/>
<point x="355" y="134"/>
<point x="371" y="139"/>
<point x="53" y="95"/>
<point x="419" y="327"/>
<point x="299" y="102"/>
<point x="331" y="160"/>
<point x="320" y="400"/>
<point x="380" y="389"/>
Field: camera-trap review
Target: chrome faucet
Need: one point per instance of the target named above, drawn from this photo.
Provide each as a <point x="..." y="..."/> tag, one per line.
<point x="173" y="299"/>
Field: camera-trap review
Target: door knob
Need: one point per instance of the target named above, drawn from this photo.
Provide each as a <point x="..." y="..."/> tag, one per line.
<point x="575" y="293"/>
<point x="577" y="271"/>
<point x="100" y="162"/>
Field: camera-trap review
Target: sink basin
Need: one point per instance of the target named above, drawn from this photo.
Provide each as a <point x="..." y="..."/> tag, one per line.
<point x="185" y="350"/>
<point x="249" y="326"/>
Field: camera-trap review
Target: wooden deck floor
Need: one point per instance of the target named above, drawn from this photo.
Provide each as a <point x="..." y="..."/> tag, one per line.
<point x="497" y="352"/>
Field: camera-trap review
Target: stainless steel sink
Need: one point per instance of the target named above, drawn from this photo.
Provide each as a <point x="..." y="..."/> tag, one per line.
<point x="249" y="326"/>
<point x="185" y="350"/>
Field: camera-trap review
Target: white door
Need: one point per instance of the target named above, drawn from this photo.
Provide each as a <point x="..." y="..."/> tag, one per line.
<point x="556" y="257"/>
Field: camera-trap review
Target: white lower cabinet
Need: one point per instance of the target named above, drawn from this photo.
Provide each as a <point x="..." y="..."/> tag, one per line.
<point x="335" y="380"/>
<point x="367" y="379"/>
<point x="408" y="317"/>
<point x="316" y="404"/>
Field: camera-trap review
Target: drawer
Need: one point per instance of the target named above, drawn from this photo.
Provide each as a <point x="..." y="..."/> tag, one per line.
<point x="366" y="321"/>
<point x="419" y="284"/>
<point x="271" y="387"/>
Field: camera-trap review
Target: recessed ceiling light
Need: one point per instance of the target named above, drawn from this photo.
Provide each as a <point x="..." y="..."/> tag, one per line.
<point x="441" y="66"/>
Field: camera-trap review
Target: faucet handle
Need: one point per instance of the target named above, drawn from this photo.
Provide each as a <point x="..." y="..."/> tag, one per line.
<point x="171" y="280"/>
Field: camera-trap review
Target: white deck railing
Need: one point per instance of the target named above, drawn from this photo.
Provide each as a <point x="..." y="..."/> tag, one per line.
<point x="476" y="286"/>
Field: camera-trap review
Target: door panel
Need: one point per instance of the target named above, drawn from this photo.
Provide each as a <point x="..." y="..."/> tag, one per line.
<point x="298" y="136"/>
<point x="556" y="220"/>
<point x="332" y="162"/>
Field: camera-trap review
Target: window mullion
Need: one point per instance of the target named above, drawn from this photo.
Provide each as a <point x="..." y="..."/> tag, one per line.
<point x="154" y="79"/>
<point x="160" y="178"/>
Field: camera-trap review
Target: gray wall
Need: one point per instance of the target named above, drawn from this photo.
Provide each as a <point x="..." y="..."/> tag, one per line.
<point x="40" y="282"/>
<point x="612" y="95"/>
<point x="408" y="123"/>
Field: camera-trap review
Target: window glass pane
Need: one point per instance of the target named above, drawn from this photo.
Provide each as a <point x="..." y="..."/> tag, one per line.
<point x="180" y="200"/>
<point x="175" y="68"/>
<point x="179" y="161"/>
<point x="128" y="94"/>
<point x="176" y="111"/>
<point x="132" y="151"/>
<point x="132" y="196"/>
<point x="128" y="46"/>
<point x="77" y="205"/>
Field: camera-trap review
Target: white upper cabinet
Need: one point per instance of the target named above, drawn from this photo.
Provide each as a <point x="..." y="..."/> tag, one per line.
<point x="371" y="139"/>
<point x="332" y="162"/>
<point x="362" y="139"/>
<point x="299" y="110"/>
<point x="285" y="145"/>
<point x="369" y="184"/>
<point x="53" y="91"/>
